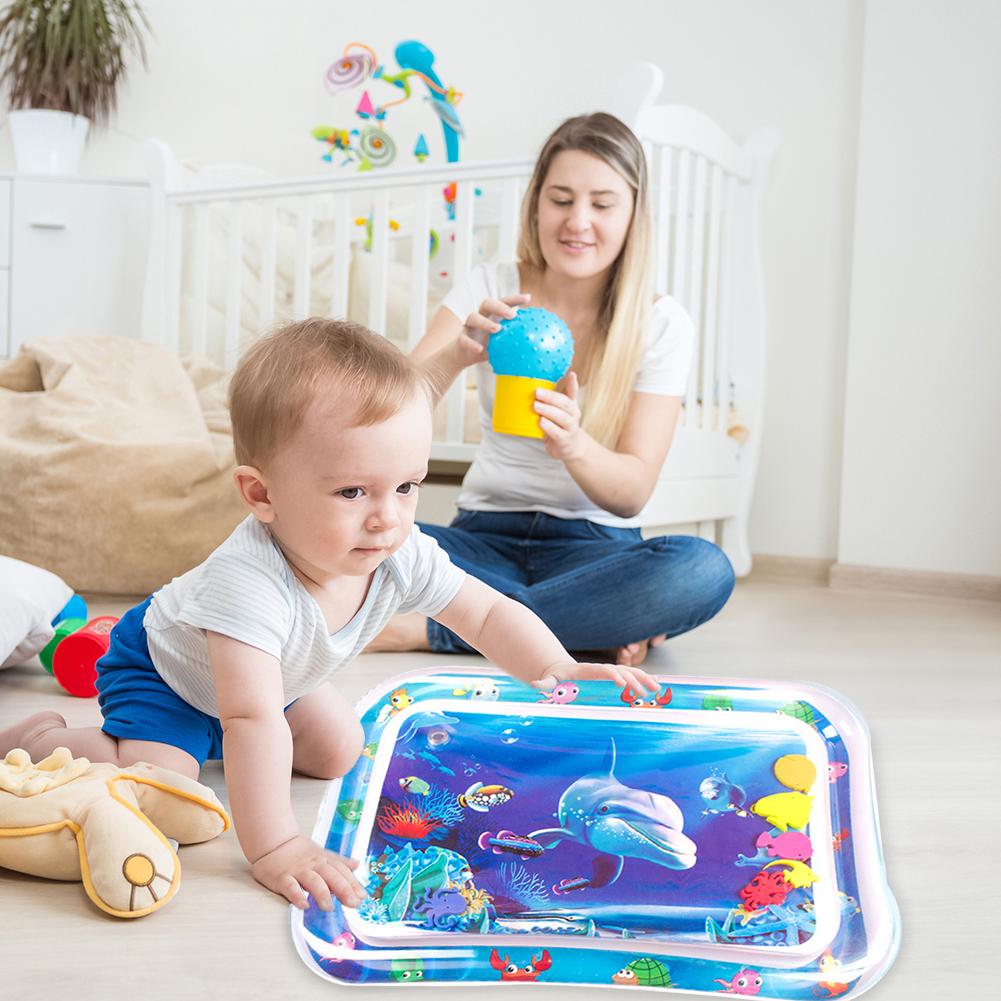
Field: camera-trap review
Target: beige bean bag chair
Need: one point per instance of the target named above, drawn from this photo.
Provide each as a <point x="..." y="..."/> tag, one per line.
<point x="115" y="462"/>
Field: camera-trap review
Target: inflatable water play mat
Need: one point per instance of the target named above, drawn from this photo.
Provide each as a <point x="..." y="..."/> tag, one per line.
<point x="714" y="837"/>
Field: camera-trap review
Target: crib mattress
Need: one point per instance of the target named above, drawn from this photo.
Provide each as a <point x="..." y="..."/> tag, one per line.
<point x="717" y="837"/>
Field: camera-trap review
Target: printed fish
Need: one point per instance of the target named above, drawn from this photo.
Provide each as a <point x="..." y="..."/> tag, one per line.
<point x="835" y="769"/>
<point x="784" y="809"/>
<point x="573" y="883"/>
<point x="720" y="794"/>
<point x="508" y="841"/>
<point x="791" y="845"/>
<point x="398" y="701"/>
<point x="434" y="760"/>
<point x="797" y="874"/>
<point x="829" y="966"/>
<point x="415" y="785"/>
<point x="350" y="810"/>
<point x="478" y="689"/>
<point x="480" y="797"/>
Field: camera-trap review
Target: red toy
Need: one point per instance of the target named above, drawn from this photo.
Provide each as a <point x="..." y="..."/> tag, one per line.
<point x="74" y="660"/>
<point x="767" y="888"/>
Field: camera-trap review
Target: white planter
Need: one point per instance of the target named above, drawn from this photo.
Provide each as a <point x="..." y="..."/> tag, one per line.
<point x="47" y="142"/>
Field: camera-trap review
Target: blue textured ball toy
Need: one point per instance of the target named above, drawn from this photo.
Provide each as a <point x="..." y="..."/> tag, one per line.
<point x="533" y="349"/>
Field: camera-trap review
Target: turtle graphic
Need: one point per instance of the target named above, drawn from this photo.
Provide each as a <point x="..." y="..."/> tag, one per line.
<point x="645" y="972"/>
<point x="723" y="703"/>
<point x="800" y="711"/>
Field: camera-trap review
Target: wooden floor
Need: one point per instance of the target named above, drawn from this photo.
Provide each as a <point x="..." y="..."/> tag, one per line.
<point x="924" y="672"/>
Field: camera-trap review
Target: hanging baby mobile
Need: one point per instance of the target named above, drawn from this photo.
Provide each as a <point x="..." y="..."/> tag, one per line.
<point x="369" y="144"/>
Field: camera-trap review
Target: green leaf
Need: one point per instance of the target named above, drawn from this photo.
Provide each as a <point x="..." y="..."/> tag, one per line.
<point x="433" y="877"/>
<point x="396" y="893"/>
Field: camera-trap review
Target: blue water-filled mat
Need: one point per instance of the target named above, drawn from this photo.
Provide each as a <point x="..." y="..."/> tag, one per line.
<point x="716" y="837"/>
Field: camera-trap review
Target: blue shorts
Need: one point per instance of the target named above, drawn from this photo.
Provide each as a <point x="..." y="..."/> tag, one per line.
<point x="139" y="705"/>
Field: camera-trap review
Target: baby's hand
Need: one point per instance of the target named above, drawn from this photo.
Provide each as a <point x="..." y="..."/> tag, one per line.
<point x="620" y="674"/>
<point x="300" y="867"/>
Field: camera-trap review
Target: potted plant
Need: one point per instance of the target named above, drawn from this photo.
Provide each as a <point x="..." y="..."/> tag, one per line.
<point x="61" y="62"/>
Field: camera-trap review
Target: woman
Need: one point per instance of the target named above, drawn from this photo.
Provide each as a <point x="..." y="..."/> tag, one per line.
<point x="553" y="523"/>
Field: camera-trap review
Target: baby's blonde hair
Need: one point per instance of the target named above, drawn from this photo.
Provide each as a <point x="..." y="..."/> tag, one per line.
<point x="628" y="294"/>
<point x="283" y="372"/>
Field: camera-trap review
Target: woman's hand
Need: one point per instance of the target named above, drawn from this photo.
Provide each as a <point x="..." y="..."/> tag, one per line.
<point x="559" y="418"/>
<point x="621" y="674"/>
<point x="470" y="346"/>
<point x="300" y="867"/>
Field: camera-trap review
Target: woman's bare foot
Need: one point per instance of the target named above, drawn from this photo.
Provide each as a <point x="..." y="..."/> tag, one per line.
<point x="25" y="733"/>
<point x="402" y="632"/>
<point x="633" y="654"/>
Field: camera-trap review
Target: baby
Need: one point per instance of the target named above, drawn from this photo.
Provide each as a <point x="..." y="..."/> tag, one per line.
<point x="332" y="431"/>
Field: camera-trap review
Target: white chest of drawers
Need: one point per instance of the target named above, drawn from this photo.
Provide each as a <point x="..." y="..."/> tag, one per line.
<point x="72" y="257"/>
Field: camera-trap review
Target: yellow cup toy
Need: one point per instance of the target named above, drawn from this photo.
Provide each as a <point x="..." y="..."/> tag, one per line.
<point x="532" y="350"/>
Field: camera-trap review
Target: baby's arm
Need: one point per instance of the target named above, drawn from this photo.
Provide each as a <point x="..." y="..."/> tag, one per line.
<point x="517" y="640"/>
<point x="257" y="757"/>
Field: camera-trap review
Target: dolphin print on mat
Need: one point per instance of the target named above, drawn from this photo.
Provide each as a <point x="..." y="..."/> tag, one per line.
<point x="619" y="822"/>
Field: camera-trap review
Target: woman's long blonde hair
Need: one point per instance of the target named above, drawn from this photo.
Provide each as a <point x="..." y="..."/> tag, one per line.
<point x="628" y="295"/>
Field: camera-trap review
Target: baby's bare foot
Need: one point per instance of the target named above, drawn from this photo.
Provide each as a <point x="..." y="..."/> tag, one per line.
<point x="25" y="733"/>
<point x="402" y="632"/>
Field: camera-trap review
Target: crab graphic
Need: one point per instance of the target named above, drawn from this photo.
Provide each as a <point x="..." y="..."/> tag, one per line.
<point x="512" y="972"/>
<point x="638" y="701"/>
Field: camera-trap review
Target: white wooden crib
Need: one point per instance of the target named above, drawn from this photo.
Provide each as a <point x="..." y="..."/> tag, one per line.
<point x="232" y="252"/>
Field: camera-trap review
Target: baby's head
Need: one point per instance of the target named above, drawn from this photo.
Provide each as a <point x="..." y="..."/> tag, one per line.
<point x="332" y="430"/>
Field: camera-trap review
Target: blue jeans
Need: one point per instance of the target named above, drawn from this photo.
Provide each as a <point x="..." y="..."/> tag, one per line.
<point x="596" y="587"/>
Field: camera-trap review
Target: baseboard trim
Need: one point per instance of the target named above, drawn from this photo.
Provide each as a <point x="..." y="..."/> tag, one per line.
<point x="853" y="576"/>
<point x="806" y="569"/>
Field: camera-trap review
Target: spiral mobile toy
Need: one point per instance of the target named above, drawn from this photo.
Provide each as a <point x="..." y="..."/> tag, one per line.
<point x="370" y="145"/>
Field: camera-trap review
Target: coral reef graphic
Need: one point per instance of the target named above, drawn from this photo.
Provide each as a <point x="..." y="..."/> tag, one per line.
<point x="406" y="821"/>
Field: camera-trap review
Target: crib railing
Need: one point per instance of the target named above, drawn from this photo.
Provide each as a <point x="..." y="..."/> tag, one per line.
<point x="701" y="182"/>
<point x="485" y="204"/>
<point x="707" y="197"/>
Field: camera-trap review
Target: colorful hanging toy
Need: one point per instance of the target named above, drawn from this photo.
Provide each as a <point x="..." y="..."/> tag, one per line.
<point x="370" y="145"/>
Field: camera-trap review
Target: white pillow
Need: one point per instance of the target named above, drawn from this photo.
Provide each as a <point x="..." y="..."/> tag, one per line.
<point x="30" y="598"/>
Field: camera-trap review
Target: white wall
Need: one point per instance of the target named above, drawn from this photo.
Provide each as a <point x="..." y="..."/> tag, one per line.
<point x="921" y="485"/>
<point x="241" y="80"/>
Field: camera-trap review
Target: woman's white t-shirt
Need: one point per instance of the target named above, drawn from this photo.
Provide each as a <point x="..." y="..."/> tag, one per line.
<point x="511" y="473"/>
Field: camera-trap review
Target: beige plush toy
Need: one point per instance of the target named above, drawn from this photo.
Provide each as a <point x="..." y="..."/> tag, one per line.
<point x="66" y="818"/>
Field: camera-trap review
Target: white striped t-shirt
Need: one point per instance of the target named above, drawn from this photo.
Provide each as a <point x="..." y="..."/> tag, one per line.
<point x="247" y="590"/>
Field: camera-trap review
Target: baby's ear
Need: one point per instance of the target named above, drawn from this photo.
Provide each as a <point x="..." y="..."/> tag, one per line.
<point x="253" y="489"/>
